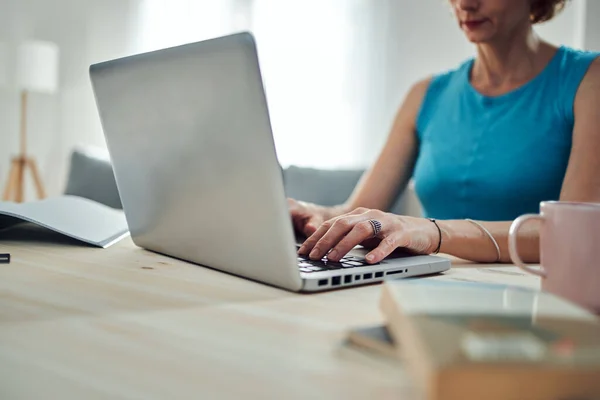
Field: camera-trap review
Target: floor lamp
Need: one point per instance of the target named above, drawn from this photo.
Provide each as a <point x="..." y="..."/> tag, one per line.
<point x="37" y="71"/>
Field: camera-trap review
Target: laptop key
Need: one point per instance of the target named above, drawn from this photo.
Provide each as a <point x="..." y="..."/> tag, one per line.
<point x="348" y="265"/>
<point x="356" y="263"/>
<point x="333" y="264"/>
<point x="323" y="264"/>
<point x="354" y="258"/>
<point x="305" y="270"/>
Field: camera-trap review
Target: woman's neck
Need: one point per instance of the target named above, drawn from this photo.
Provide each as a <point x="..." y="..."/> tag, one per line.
<point x="510" y="61"/>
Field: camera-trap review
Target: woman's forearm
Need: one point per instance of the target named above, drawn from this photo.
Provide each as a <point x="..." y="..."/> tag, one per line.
<point x="466" y="240"/>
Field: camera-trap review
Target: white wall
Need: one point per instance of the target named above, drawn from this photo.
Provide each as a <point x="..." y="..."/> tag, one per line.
<point x="85" y="31"/>
<point x="403" y="41"/>
<point x="591" y="27"/>
<point x="564" y="29"/>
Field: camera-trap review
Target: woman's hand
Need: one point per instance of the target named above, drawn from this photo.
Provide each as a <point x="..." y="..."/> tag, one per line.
<point x="307" y="217"/>
<point x="341" y="234"/>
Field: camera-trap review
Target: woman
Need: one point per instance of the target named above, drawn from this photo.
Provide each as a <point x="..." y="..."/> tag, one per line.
<point x="516" y="125"/>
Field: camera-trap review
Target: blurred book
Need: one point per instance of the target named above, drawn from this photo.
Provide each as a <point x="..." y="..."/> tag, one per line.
<point x="378" y="339"/>
<point x="493" y="341"/>
<point x="82" y="219"/>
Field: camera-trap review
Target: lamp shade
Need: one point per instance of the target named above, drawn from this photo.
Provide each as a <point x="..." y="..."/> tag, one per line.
<point x="3" y="64"/>
<point x="37" y="66"/>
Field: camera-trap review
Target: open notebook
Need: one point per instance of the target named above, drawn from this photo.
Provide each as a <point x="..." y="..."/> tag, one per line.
<point x="76" y="217"/>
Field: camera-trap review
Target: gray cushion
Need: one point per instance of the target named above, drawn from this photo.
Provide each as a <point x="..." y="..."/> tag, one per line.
<point x="325" y="187"/>
<point x="333" y="187"/>
<point x="91" y="176"/>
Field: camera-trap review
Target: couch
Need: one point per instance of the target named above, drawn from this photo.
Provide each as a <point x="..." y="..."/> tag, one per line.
<point x="91" y="176"/>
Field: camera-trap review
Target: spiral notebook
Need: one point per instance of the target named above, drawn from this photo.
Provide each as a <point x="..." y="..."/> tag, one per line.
<point x="76" y="217"/>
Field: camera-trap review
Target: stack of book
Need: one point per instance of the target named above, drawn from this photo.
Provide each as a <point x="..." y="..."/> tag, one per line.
<point x="463" y="340"/>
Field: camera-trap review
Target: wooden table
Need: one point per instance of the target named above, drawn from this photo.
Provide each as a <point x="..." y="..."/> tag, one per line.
<point x="124" y="323"/>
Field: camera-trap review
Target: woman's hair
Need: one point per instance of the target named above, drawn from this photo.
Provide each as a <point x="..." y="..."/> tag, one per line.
<point x="545" y="10"/>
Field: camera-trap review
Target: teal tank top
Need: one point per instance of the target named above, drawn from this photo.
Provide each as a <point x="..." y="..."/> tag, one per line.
<point x="495" y="158"/>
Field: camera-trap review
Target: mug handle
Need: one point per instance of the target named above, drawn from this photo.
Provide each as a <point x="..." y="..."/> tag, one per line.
<point x="512" y="243"/>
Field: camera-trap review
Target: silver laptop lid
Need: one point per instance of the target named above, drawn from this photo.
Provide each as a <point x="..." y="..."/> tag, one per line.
<point x="189" y="136"/>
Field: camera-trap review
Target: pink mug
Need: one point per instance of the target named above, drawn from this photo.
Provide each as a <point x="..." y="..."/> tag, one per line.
<point x="569" y="250"/>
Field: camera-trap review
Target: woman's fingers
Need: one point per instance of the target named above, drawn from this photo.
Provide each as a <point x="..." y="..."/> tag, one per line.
<point x="305" y="217"/>
<point x="312" y="239"/>
<point x="312" y="225"/>
<point x="340" y="235"/>
<point x="294" y="207"/>
<point x="386" y="247"/>
<point x="328" y="235"/>
<point x="360" y="233"/>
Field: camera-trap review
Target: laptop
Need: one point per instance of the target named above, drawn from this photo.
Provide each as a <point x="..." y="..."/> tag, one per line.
<point x="189" y="136"/>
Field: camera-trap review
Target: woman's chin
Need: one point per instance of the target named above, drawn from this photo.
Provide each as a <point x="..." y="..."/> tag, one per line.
<point x="478" y="38"/>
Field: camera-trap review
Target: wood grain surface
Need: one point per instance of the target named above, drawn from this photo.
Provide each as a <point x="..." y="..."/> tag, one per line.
<point x="123" y="323"/>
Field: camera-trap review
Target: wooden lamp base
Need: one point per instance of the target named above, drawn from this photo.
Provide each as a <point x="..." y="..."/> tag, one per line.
<point x="15" y="187"/>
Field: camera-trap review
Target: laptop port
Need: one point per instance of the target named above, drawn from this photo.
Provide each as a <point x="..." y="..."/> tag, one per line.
<point x="368" y="276"/>
<point x="378" y="274"/>
<point x="398" y="271"/>
<point x="323" y="282"/>
<point x="348" y="279"/>
<point x="357" y="278"/>
<point x="336" y="280"/>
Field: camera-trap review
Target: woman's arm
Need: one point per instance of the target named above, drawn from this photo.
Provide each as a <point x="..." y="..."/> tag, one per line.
<point x="581" y="183"/>
<point x="582" y="180"/>
<point x="466" y="240"/>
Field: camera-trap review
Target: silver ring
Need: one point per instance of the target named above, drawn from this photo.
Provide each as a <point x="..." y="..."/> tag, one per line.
<point x="376" y="226"/>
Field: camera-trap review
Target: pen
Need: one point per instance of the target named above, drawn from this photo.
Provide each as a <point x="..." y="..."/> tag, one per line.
<point x="4" y="258"/>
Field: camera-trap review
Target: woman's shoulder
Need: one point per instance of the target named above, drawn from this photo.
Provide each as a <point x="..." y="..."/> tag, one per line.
<point x="575" y="69"/>
<point x="589" y="87"/>
<point x="456" y="75"/>
<point x="575" y="62"/>
<point x="593" y="73"/>
<point x="429" y="92"/>
<point x="573" y="55"/>
<point x="444" y="79"/>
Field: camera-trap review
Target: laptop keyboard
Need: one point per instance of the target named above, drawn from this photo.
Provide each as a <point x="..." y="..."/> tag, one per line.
<point x="307" y="265"/>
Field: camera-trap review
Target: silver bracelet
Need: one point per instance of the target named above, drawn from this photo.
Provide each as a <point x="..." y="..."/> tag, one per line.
<point x="490" y="236"/>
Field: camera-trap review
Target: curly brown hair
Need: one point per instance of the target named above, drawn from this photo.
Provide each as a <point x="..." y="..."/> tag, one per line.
<point x="545" y="10"/>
